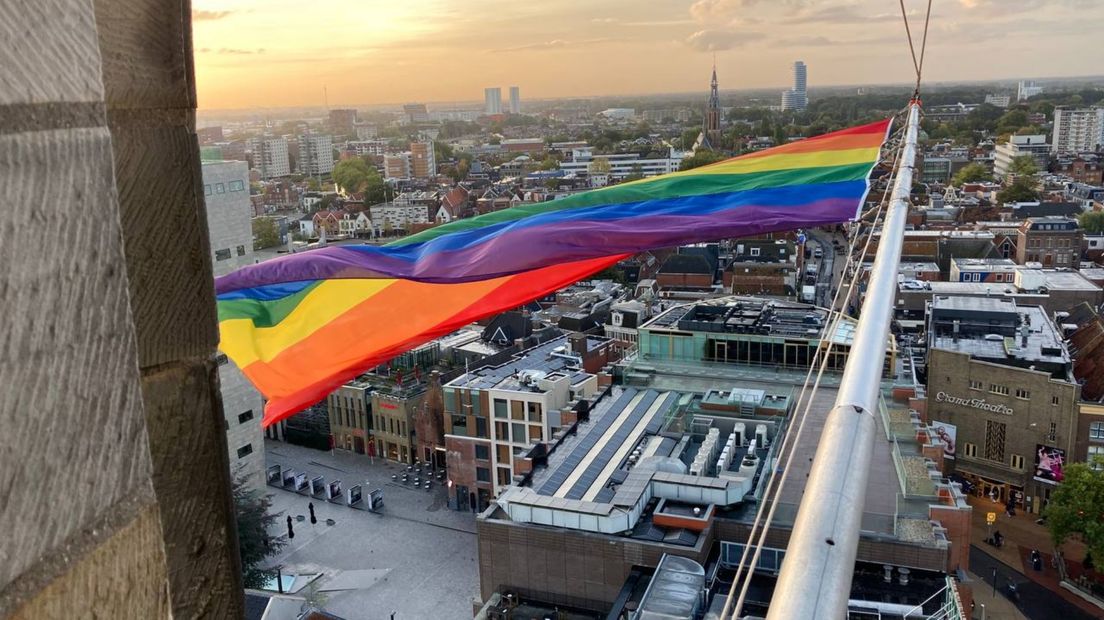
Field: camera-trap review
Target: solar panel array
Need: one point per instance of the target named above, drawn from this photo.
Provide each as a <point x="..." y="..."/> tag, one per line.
<point x="579" y="452"/>
<point x="618" y="439"/>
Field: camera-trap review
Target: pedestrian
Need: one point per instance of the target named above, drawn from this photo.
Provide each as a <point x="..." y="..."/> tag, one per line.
<point x="291" y="530"/>
<point x="310" y="507"/>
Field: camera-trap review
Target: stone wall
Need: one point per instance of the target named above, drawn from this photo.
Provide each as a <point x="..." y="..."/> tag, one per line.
<point x="116" y="487"/>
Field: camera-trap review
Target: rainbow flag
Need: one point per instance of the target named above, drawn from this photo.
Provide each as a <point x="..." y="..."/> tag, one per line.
<point x="301" y="325"/>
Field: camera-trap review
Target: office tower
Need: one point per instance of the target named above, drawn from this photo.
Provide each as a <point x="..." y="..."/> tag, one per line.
<point x="515" y="100"/>
<point x="492" y="100"/>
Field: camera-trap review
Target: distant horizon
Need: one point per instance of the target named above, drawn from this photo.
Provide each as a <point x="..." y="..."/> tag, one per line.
<point x="703" y="93"/>
<point x="282" y="54"/>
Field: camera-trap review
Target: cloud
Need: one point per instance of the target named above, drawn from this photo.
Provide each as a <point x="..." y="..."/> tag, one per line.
<point x="209" y="16"/>
<point x="841" y="14"/>
<point x="711" y="11"/>
<point x="808" y="41"/>
<point x="231" y="51"/>
<point x="551" y="45"/>
<point x="721" y="39"/>
<point x="605" y="20"/>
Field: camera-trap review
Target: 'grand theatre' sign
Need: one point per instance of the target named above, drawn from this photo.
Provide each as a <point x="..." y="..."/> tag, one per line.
<point x="976" y="403"/>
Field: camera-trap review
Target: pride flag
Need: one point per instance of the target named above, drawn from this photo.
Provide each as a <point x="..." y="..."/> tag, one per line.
<point x="301" y="325"/>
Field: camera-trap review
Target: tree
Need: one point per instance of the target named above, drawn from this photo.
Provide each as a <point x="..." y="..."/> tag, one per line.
<point x="313" y="184"/>
<point x="1023" y="165"/>
<point x="251" y="510"/>
<point x="598" y="166"/>
<point x="636" y="174"/>
<point x="701" y="158"/>
<point x="1077" y="508"/>
<point x="1021" y="190"/>
<point x="442" y="151"/>
<point x="688" y="137"/>
<point x="1011" y="121"/>
<point x="549" y="163"/>
<point x="265" y="233"/>
<point x="971" y="173"/>
<point x="1092" y="222"/>
<point x="359" y="177"/>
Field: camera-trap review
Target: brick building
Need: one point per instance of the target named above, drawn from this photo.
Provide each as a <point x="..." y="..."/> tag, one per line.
<point x="494" y="415"/>
<point x="685" y="272"/>
<point x="1000" y="381"/>
<point x="1052" y="241"/>
<point x="350" y="411"/>
<point x="393" y="413"/>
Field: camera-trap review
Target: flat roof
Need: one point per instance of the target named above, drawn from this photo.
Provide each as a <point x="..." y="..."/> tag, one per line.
<point x="508" y="375"/>
<point x="1043" y="344"/>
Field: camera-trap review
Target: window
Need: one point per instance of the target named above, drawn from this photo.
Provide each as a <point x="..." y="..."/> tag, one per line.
<point x="482" y="474"/>
<point x="481" y="427"/>
<point x="483" y="453"/>
<point x="245" y="417"/>
<point x="1054" y="400"/>
<point x="503" y="476"/>
<point x="535" y="414"/>
<point x="994" y="441"/>
<point x="245" y="450"/>
<point x="237" y="186"/>
<point x="241" y="250"/>
<point x="500" y="408"/>
<point x="221" y="359"/>
<point x="220" y="188"/>
<point x="1096" y="457"/>
<point x="1017" y="462"/>
<point x="1096" y="431"/>
<point x="998" y="389"/>
<point x="1022" y="393"/>
<point x="222" y="254"/>
<point x="206" y="190"/>
<point x="755" y="251"/>
<point x="969" y="450"/>
<point x="518" y="432"/>
<point x="976" y="385"/>
<point x="459" y="425"/>
<point x="1052" y="434"/>
<point x="502" y="431"/>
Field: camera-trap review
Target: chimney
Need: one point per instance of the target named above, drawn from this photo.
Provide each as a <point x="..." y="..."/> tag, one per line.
<point x="955" y="329"/>
<point x="578" y="343"/>
<point x="1023" y="335"/>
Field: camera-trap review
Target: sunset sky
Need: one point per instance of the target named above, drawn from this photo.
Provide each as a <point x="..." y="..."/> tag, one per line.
<point x="274" y="53"/>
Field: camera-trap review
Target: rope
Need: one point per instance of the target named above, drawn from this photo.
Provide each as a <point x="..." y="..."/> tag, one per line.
<point x="917" y="65"/>
<point x="791" y="438"/>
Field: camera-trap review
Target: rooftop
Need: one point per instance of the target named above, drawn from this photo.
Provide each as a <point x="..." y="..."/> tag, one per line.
<point x="995" y="329"/>
<point x="526" y="370"/>
<point x="751" y="315"/>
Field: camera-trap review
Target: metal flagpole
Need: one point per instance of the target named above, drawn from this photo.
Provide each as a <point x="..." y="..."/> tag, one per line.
<point x="815" y="581"/>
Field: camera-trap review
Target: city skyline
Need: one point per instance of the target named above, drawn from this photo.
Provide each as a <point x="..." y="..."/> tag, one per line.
<point x="250" y="54"/>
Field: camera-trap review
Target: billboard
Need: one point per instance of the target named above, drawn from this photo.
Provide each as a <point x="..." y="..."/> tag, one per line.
<point x="1050" y="463"/>
<point x="316" y="485"/>
<point x="273" y="475"/>
<point x="289" y="477"/>
<point x="333" y="490"/>
<point x="300" y="482"/>
<point x="354" y="496"/>
<point x="948" y="434"/>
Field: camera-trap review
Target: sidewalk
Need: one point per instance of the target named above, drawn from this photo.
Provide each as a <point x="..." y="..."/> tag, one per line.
<point x="989" y="607"/>
<point x="1021" y="535"/>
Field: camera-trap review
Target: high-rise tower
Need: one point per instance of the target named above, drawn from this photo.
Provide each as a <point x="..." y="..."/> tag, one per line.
<point x="796" y="98"/>
<point x="711" y="125"/>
